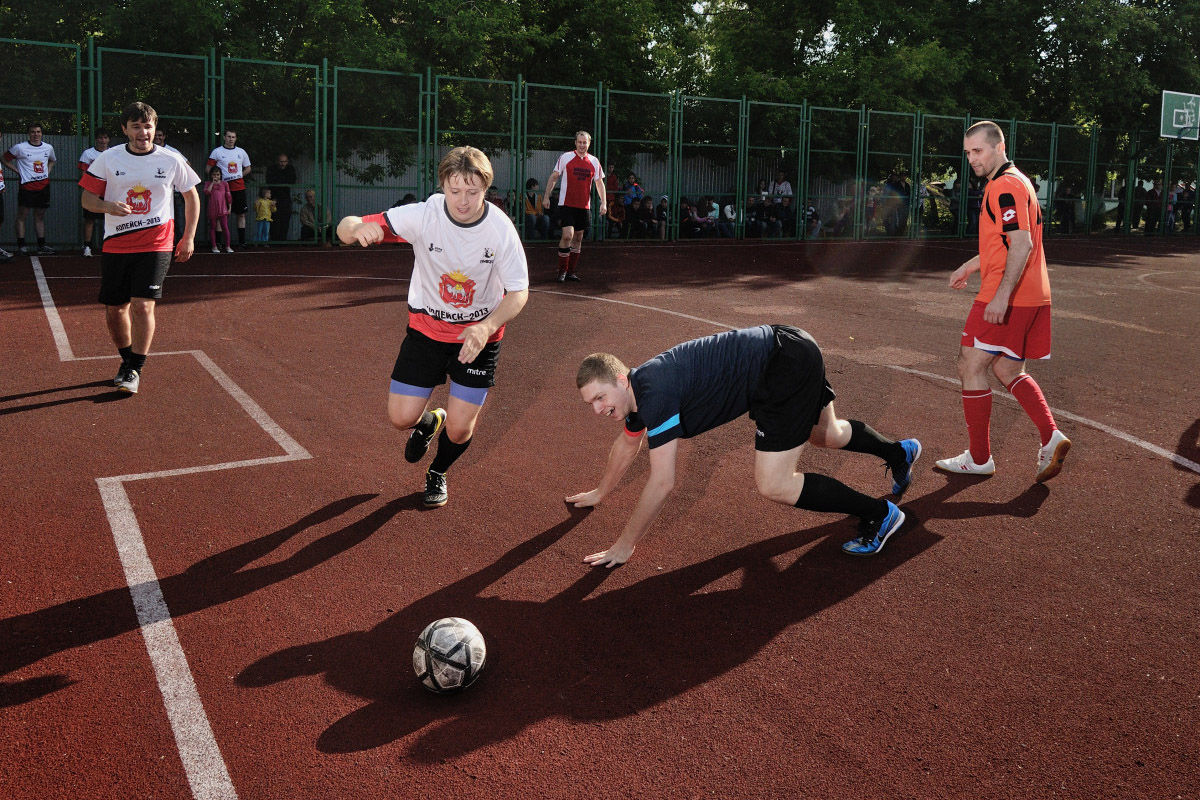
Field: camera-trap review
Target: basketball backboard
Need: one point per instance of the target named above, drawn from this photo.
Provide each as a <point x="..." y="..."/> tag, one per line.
<point x="1180" y="116"/>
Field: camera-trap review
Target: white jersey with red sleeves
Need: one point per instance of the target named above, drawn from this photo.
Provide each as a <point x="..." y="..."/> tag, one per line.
<point x="32" y="163"/>
<point x="233" y="161"/>
<point x="462" y="272"/>
<point x="577" y="176"/>
<point x="145" y="182"/>
<point x="87" y="157"/>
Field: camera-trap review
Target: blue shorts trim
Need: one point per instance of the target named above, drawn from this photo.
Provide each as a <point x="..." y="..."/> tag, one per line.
<point x="408" y="390"/>
<point x="468" y="394"/>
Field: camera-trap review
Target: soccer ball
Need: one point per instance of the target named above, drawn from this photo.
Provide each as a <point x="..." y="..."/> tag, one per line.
<point x="449" y="655"/>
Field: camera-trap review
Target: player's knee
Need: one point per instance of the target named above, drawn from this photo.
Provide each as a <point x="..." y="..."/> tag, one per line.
<point x="459" y="431"/>
<point x="773" y="487"/>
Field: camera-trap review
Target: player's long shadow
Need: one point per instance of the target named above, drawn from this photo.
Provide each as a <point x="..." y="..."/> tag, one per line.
<point x="577" y="656"/>
<point x="104" y="397"/>
<point x="29" y="638"/>
<point x="1189" y="448"/>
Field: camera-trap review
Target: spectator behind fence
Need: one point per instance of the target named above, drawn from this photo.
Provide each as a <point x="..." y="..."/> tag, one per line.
<point x="616" y="220"/>
<point x="727" y="220"/>
<point x="1187" y="203"/>
<point x="32" y="161"/>
<point x="843" y="216"/>
<point x="780" y="188"/>
<point x="635" y="222"/>
<point x="662" y="215"/>
<point x="701" y="217"/>
<point x="235" y="166"/>
<point x="756" y="223"/>
<point x="1154" y="206"/>
<point x="281" y="177"/>
<point x="631" y="190"/>
<point x="264" y="210"/>
<point x="763" y="189"/>
<point x="314" y="219"/>
<point x="493" y="197"/>
<point x="812" y="222"/>
<point x="537" y="223"/>
<point x="90" y="217"/>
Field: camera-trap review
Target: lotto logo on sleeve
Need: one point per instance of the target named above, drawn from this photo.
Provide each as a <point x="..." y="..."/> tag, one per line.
<point x="1009" y="214"/>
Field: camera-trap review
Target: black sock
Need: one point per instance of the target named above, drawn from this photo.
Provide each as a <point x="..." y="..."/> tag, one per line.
<point x="865" y="439"/>
<point x="242" y="236"/>
<point x="41" y="241"/>
<point x="20" y="242"/>
<point x="447" y="453"/>
<point x="137" y="361"/>
<point x="126" y="353"/>
<point x="822" y="493"/>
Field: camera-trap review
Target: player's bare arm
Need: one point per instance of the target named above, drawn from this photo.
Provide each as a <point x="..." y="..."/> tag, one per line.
<point x="475" y="337"/>
<point x="549" y="188"/>
<point x="620" y="457"/>
<point x="352" y="230"/>
<point x="958" y="278"/>
<point x="98" y="205"/>
<point x="191" y="217"/>
<point x="1020" y="245"/>
<point x="654" y="497"/>
<point x="603" y="195"/>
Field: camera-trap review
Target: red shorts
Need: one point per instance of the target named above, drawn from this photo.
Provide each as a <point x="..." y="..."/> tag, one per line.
<point x="1024" y="334"/>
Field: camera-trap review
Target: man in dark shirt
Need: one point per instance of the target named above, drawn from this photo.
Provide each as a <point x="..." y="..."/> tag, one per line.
<point x="774" y="372"/>
<point x="281" y="177"/>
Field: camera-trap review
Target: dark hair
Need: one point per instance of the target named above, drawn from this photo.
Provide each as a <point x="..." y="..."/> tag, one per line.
<point x="139" y="112"/>
<point x="529" y="184"/>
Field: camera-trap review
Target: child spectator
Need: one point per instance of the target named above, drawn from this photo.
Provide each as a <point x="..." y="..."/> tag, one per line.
<point x="263" y="208"/>
<point x="219" y="199"/>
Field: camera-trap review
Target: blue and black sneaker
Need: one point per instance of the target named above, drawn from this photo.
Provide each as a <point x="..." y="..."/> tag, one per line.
<point x="873" y="534"/>
<point x="902" y="478"/>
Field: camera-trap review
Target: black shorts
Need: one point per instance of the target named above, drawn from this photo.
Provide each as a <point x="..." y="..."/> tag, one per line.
<point x="787" y="403"/>
<point x="127" y="275"/>
<point x="238" y="203"/>
<point x="33" y="198"/>
<point x="577" y="218"/>
<point x="426" y="362"/>
<point x="93" y="215"/>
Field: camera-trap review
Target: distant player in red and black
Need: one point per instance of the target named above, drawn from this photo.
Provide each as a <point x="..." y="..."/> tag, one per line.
<point x="579" y="171"/>
<point x="1010" y="319"/>
<point x="133" y="186"/>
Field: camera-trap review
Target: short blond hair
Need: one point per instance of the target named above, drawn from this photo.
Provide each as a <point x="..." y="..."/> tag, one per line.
<point x="469" y="162"/>
<point x="602" y="367"/>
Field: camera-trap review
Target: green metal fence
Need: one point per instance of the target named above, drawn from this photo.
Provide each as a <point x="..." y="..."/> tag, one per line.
<point x="362" y="140"/>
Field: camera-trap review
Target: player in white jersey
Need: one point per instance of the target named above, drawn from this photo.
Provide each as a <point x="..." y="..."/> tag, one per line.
<point x="32" y="161"/>
<point x="89" y="217"/>
<point x="133" y="186"/>
<point x="235" y="166"/>
<point x="470" y="278"/>
<point x="5" y="256"/>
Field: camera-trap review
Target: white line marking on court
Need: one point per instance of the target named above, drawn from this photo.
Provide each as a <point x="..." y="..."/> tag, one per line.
<point x="206" y="771"/>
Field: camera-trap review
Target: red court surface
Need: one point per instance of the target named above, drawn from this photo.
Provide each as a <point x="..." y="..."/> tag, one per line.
<point x="212" y="589"/>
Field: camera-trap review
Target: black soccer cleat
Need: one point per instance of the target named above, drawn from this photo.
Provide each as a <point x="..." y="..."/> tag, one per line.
<point x="436" y="494"/>
<point x="420" y="439"/>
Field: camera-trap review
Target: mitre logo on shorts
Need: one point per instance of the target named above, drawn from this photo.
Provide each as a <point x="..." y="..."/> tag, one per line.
<point x="457" y="289"/>
<point x="1008" y="214"/>
<point x="138" y="199"/>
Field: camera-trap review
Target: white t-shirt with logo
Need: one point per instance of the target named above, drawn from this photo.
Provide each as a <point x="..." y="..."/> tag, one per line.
<point x="233" y="162"/>
<point x="462" y="272"/>
<point x="32" y="163"/>
<point x="145" y="182"/>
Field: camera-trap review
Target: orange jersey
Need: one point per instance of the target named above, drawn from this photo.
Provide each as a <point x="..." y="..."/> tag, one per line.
<point x="1009" y="204"/>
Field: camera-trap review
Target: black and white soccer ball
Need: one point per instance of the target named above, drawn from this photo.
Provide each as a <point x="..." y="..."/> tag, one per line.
<point x="449" y="655"/>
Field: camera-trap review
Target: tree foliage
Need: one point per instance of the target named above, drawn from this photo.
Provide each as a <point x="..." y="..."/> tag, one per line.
<point x="1080" y="61"/>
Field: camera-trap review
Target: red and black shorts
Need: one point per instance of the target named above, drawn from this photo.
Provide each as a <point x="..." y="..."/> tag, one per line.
<point x="792" y="392"/>
<point x="426" y="362"/>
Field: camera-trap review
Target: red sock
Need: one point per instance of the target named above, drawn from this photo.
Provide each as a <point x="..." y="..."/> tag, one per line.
<point x="977" y="408"/>
<point x="564" y="257"/>
<point x="572" y="261"/>
<point x="1030" y="396"/>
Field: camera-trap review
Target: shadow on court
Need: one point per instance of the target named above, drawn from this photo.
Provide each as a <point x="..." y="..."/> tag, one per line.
<point x="29" y="638"/>
<point x="575" y="655"/>
<point x="103" y="397"/>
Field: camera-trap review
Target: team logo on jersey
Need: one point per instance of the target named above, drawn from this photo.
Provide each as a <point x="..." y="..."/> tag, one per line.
<point x="457" y="289"/>
<point x="232" y="168"/>
<point x="138" y="199"/>
<point x="39" y="167"/>
<point x="1008" y="215"/>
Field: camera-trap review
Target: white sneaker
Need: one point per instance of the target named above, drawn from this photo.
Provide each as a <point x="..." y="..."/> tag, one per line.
<point x="965" y="465"/>
<point x="228" y="249"/>
<point x="216" y="249"/>
<point x="87" y="251"/>
<point x="1051" y="457"/>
